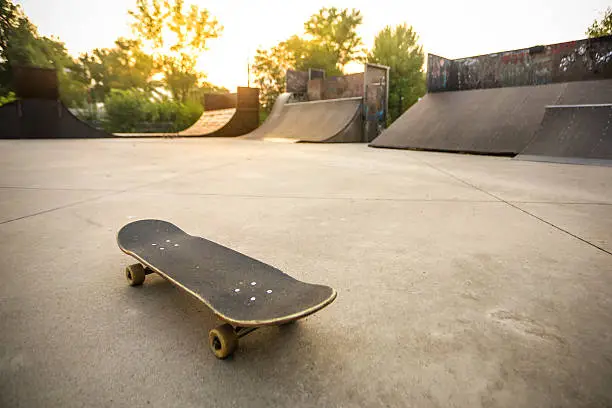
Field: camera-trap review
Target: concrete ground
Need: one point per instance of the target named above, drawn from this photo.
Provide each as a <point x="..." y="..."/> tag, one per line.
<point x="462" y="281"/>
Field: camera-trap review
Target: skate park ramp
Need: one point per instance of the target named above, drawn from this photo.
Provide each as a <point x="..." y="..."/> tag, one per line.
<point x="330" y="121"/>
<point x="227" y="115"/>
<point x="210" y="124"/>
<point x="33" y="118"/>
<point x="576" y="134"/>
<point x="271" y="120"/>
<point x="497" y="121"/>
<point x="43" y="119"/>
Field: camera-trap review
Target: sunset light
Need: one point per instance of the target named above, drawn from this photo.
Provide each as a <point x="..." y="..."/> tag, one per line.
<point x="450" y="28"/>
<point x="306" y="204"/>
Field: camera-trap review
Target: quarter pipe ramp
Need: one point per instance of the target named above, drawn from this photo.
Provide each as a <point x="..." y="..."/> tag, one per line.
<point x="498" y="121"/>
<point x="43" y="119"/>
<point x="579" y="134"/>
<point x="330" y="121"/>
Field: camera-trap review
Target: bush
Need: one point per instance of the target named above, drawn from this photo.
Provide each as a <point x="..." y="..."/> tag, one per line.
<point x="125" y="110"/>
<point x="188" y="114"/>
<point x="7" y="98"/>
<point x="131" y="111"/>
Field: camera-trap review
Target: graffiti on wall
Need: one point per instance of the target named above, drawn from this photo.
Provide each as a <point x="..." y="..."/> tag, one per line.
<point x="564" y="62"/>
<point x="296" y="81"/>
<point x="376" y="80"/>
<point x="346" y="86"/>
<point x="583" y="59"/>
<point x="438" y="72"/>
<point x="319" y="87"/>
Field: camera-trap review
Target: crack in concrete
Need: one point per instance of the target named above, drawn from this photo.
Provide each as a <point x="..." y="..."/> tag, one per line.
<point x="467" y="183"/>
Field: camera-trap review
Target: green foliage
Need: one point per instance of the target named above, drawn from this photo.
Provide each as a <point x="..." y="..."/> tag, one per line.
<point x="269" y="69"/>
<point x="186" y="114"/>
<point x="263" y="115"/>
<point x="311" y="54"/>
<point x="180" y="75"/>
<point x="177" y="37"/>
<point x="336" y="31"/>
<point x="22" y="45"/>
<point x="176" y="115"/>
<point x="333" y="43"/>
<point x="132" y="111"/>
<point x="9" y="14"/>
<point x="603" y="27"/>
<point x="196" y="95"/>
<point x="125" y="66"/>
<point x="10" y="97"/>
<point x="397" y="48"/>
<point x="125" y="110"/>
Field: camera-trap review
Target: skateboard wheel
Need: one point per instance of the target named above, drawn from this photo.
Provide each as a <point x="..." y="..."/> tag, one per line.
<point x="135" y="274"/>
<point x="223" y="341"/>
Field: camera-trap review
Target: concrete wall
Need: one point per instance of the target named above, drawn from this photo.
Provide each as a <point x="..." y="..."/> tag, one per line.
<point x="318" y="87"/>
<point x="571" y="61"/>
<point x="346" y="86"/>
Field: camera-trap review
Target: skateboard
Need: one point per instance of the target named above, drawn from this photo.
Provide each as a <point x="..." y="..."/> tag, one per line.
<point x="243" y="292"/>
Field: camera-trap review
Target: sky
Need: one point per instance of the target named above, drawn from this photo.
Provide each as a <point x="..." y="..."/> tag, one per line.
<point x="449" y="28"/>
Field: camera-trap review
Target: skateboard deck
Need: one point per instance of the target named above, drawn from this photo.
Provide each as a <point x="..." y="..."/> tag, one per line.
<point x="240" y="290"/>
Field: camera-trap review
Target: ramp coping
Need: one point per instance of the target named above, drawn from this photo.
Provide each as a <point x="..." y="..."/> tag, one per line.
<point x="354" y="98"/>
<point x="591" y="105"/>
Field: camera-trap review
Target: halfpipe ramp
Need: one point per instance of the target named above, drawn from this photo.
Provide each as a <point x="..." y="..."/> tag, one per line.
<point x="50" y="119"/>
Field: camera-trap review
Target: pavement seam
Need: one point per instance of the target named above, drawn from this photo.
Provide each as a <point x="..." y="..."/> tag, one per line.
<point x="519" y="208"/>
<point x="114" y="192"/>
<point x="56" y="188"/>
<point x="442" y="200"/>
<point x="56" y="208"/>
<point x="289" y="197"/>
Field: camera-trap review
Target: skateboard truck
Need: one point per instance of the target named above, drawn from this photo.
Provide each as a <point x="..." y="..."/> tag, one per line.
<point x="222" y="340"/>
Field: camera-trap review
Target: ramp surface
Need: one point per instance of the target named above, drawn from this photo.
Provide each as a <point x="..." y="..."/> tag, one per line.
<point x="217" y="123"/>
<point x="43" y="119"/>
<point x="330" y="121"/>
<point x="210" y="123"/>
<point x="272" y="119"/>
<point x="485" y="121"/>
<point x="578" y="134"/>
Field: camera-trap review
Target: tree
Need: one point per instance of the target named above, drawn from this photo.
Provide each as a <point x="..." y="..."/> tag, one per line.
<point x="397" y="48"/>
<point x="9" y="14"/>
<point x="133" y="111"/>
<point x="22" y="45"/>
<point x="10" y="97"/>
<point x="306" y="54"/>
<point x="336" y="31"/>
<point x="269" y="69"/>
<point x="603" y="27"/>
<point x="8" y="20"/>
<point x="176" y="37"/>
<point x="123" y="67"/>
<point x="332" y="43"/>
